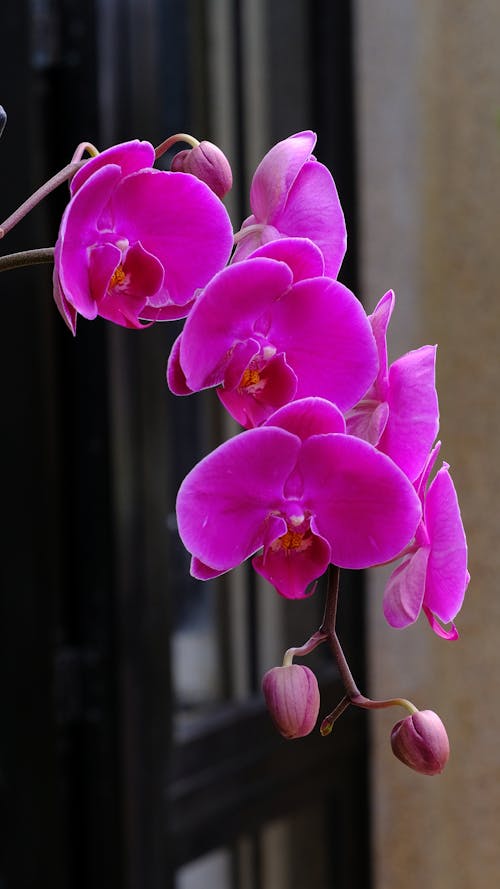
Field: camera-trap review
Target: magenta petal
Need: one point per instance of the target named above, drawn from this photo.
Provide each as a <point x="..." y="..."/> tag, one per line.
<point x="364" y="505"/>
<point x="241" y="356"/>
<point x="68" y="312"/>
<point x="308" y="416"/>
<point x="326" y="336"/>
<point x="102" y="262"/>
<point x="368" y="420"/>
<point x="79" y="231"/>
<point x="447" y="575"/>
<point x="225" y="314"/>
<point x="129" y="156"/>
<point x="301" y="255"/>
<point x="313" y="211"/>
<point x="122" y="301"/>
<point x="277" y="172"/>
<point x="291" y="571"/>
<point x="450" y="634"/>
<point x="144" y="273"/>
<point x="175" y="375"/>
<point x="251" y="405"/>
<point x="420" y="483"/>
<point x="224" y="503"/>
<point x="413" y="410"/>
<point x="202" y="571"/>
<point x="405" y="589"/>
<point x="248" y="242"/>
<point x="177" y="218"/>
<point x="379" y="321"/>
<point x="167" y="313"/>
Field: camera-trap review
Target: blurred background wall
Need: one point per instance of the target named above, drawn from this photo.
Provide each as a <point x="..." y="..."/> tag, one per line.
<point x="428" y="87"/>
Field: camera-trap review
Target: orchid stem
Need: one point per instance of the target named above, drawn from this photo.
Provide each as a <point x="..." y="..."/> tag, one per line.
<point x="353" y="694"/>
<point x="172" y="140"/>
<point x="62" y="176"/>
<point x="26" y="257"/>
<point x="327" y="724"/>
<point x="312" y="643"/>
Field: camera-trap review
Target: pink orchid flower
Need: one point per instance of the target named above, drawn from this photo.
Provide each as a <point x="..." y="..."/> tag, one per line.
<point x="292" y="195"/>
<point x="433" y="575"/>
<point x="301" y="490"/>
<point x="266" y="336"/>
<point x="399" y="414"/>
<point x="136" y="243"/>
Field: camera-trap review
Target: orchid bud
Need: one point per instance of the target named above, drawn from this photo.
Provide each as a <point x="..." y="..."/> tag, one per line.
<point x="292" y="698"/>
<point x="208" y="163"/>
<point x="421" y="742"/>
<point x="3" y="119"/>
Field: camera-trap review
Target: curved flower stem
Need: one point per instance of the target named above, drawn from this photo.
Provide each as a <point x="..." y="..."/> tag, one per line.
<point x="368" y="704"/>
<point x="172" y="140"/>
<point x="62" y="176"/>
<point x="353" y="694"/>
<point x="81" y="149"/>
<point x="26" y="257"/>
<point x="312" y="643"/>
<point x="332" y="596"/>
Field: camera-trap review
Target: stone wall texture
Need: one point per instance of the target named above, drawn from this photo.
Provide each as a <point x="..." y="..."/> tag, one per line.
<point x="428" y="106"/>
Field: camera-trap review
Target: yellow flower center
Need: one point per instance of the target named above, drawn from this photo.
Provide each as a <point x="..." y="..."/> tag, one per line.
<point x="117" y="277"/>
<point x="251" y="377"/>
<point x="291" y="540"/>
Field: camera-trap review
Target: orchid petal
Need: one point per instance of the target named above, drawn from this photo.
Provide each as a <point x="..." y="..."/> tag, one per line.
<point x="405" y="589"/>
<point x="251" y="405"/>
<point x="225" y="504"/>
<point x="302" y="256"/>
<point x="291" y="571"/>
<point x="313" y="211"/>
<point x="68" y="312"/>
<point x="324" y="332"/>
<point x="178" y="219"/>
<point x="79" y="230"/>
<point x="252" y="236"/>
<point x="420" y="483"/>
<point x="277" y="172"/>
<point x="450" y="634"/>
<point x="363" y="504"/>
<point x="225" y="314"/>
<point x="202" y="571"/>
<point x="447" y="575"/>
<point x="413" y="420"/>
<point x="176" y="378"/>
<point x="379" y="320"/>
<point x="367" y="420"/>
<point x="129" y="156"/>
<point x="308" y="416"/>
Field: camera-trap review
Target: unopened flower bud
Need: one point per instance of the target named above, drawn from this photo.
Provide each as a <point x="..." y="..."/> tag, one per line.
<point x="207" y="162"/>
<point x="292" y="698"/>
<point x="3" y="119"/>
<point x="421" y="742"/>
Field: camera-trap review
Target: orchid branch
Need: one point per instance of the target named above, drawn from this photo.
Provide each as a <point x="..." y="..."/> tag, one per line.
<point x="353" y="694"/>
<point x="26" y="257"/>
<point x="62" y="176"/>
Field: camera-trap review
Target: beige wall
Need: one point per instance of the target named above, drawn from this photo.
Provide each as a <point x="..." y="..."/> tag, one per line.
<point x="429" y="127"/>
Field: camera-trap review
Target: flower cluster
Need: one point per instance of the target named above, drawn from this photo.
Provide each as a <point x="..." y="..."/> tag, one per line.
<point x="332" y="469"/>
<point x="334" y="464"/>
